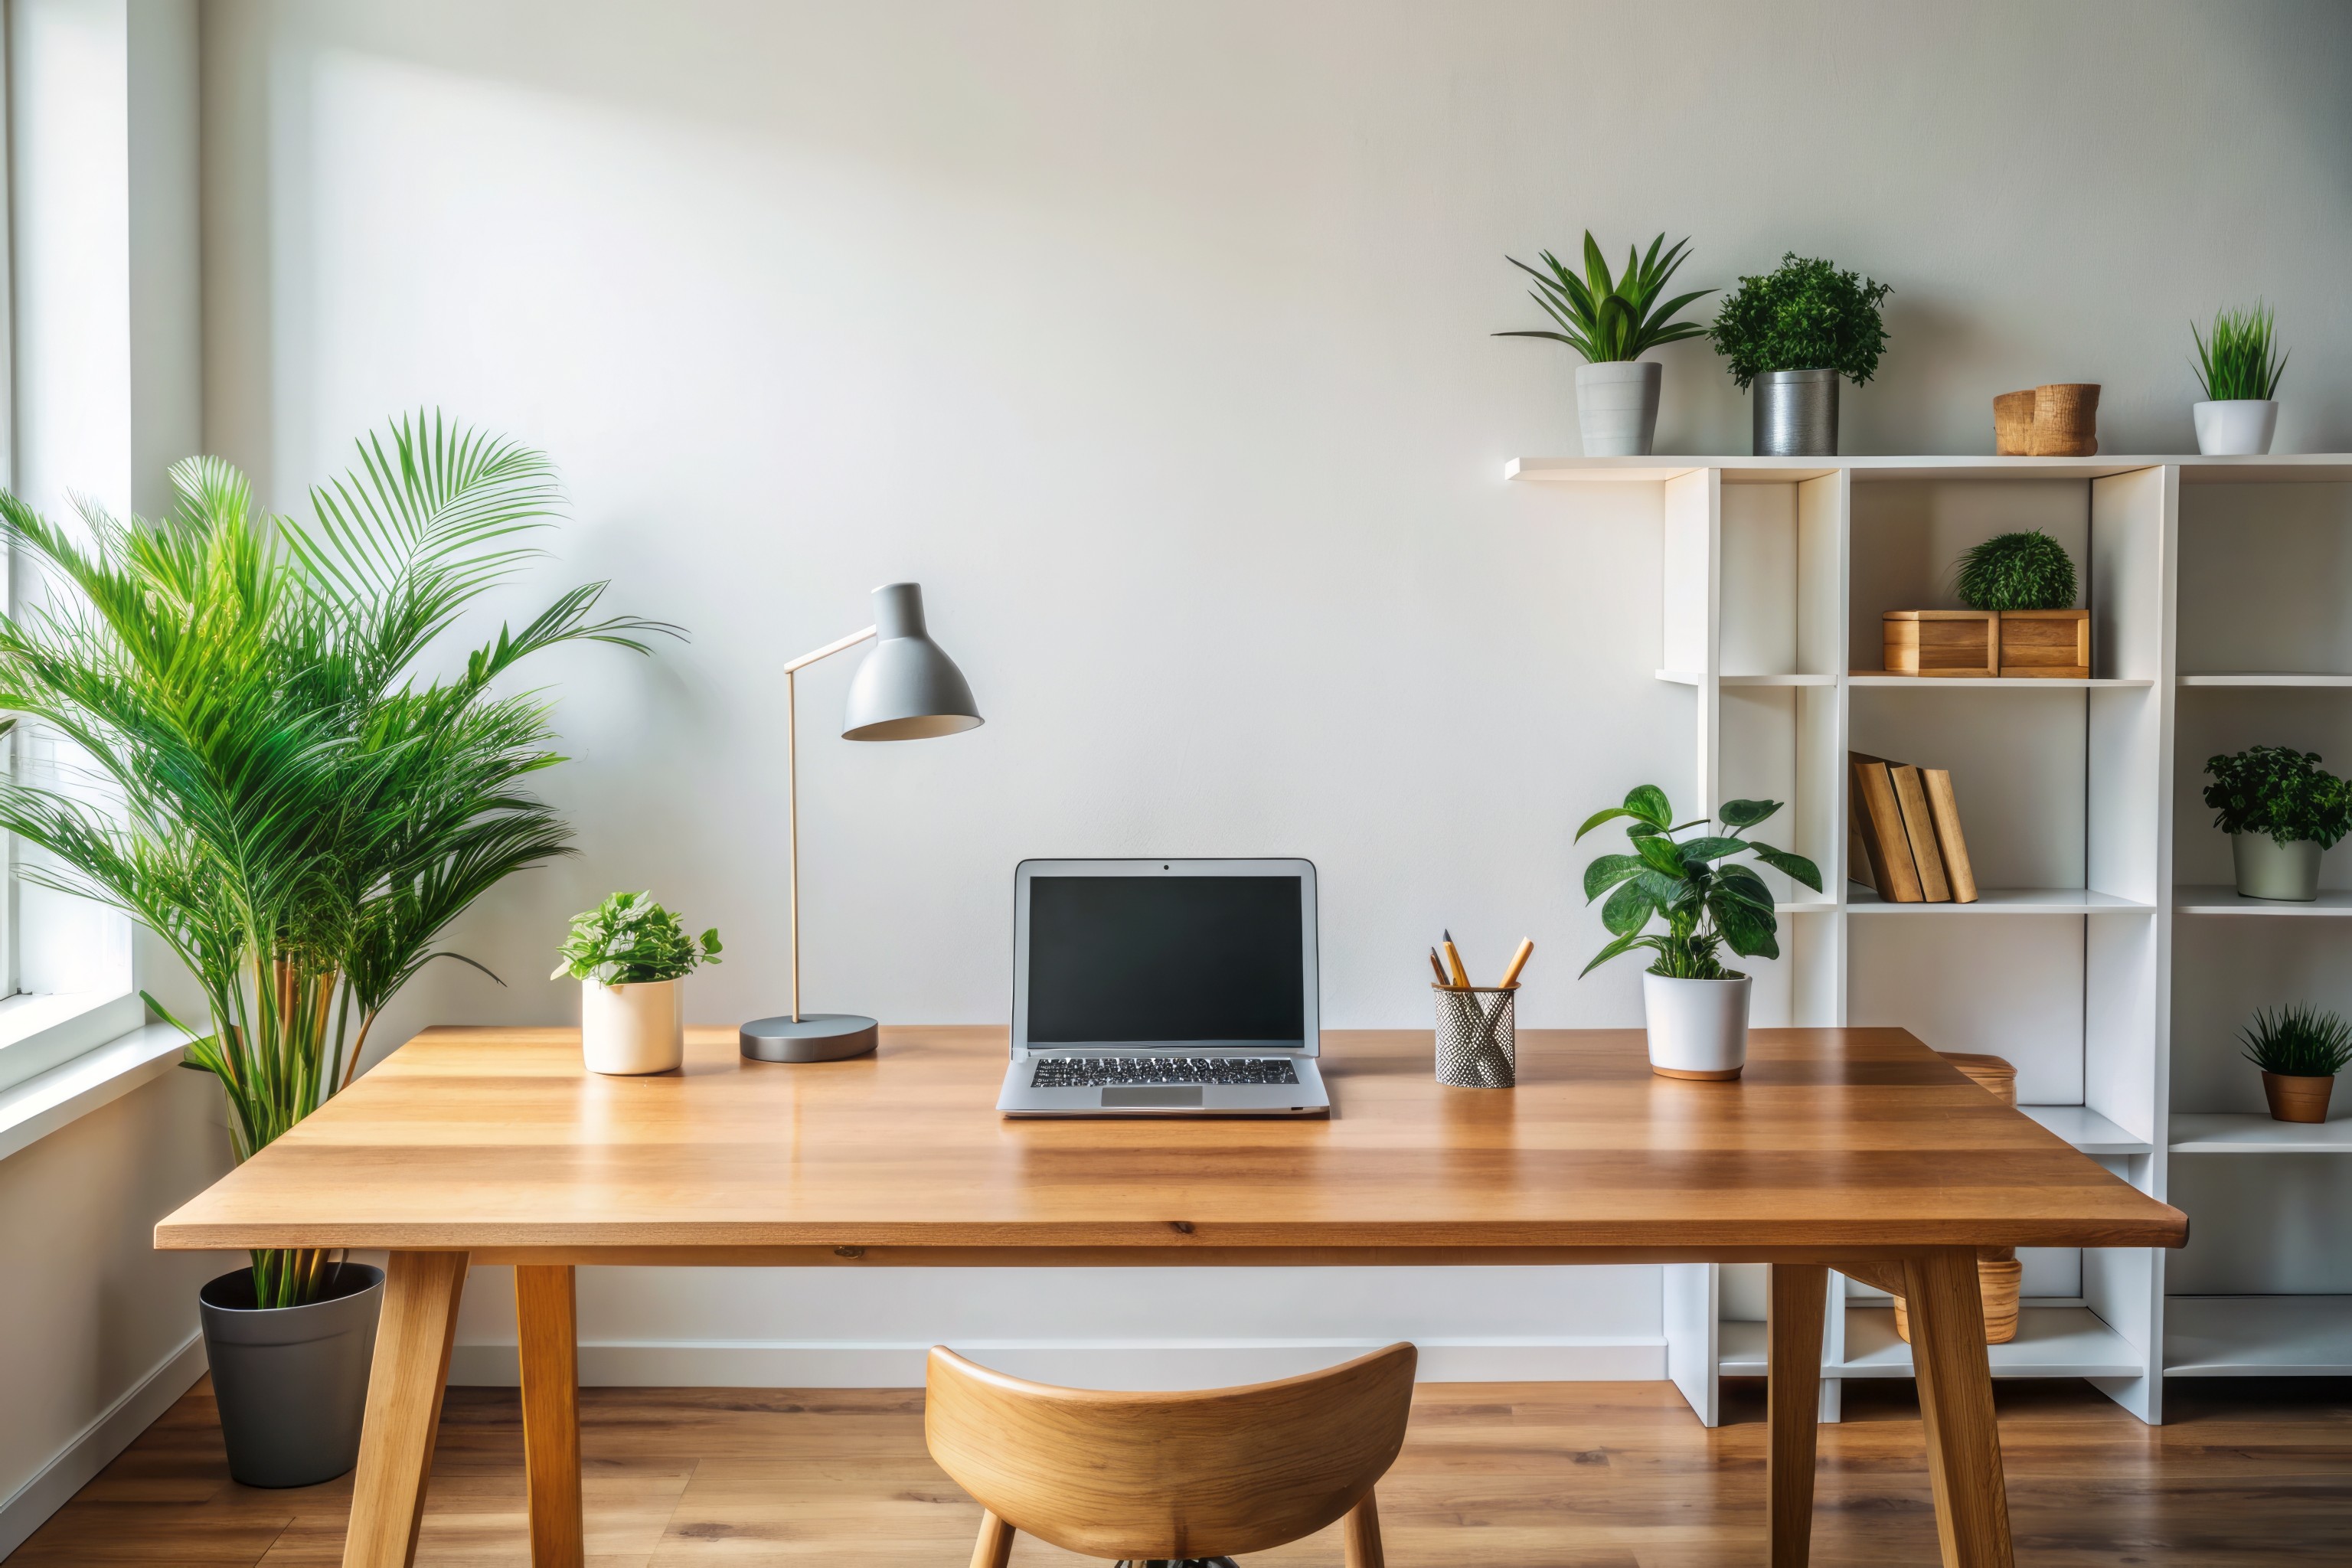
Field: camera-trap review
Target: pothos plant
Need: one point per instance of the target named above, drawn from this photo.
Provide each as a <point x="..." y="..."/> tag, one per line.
<point x="1707" y="901"/>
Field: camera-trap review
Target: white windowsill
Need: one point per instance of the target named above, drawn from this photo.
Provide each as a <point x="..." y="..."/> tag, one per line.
<point x="65" y="1093"/>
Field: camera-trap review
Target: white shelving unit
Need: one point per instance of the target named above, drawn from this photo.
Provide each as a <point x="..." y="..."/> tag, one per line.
<point x="2088" y="961"/>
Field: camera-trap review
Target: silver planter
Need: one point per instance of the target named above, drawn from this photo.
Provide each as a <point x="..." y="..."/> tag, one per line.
<point x="291" y="1382"/>
<point x="2269" y="870"/>
<point x="1796" y="413"/>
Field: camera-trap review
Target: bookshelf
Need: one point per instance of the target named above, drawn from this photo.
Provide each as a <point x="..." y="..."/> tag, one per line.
<point x="2108" y="958"/>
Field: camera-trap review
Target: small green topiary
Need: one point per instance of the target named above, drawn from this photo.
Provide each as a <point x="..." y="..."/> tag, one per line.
<point x="2028" y="571"/>
<point x="1804" y="315"/>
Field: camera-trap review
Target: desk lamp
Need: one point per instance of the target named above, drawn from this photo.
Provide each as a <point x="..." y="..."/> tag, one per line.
<point x="908" y="689"/>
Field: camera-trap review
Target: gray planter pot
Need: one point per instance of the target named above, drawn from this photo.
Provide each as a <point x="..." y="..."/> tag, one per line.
<point x="1617" y="406"/>
<point x="2269" y="870"/>
<point x="1796" y="413"/>
<point x="291" y="1382"/>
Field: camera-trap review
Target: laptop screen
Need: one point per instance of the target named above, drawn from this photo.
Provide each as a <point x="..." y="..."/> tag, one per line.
<point x="1166" y="960"/>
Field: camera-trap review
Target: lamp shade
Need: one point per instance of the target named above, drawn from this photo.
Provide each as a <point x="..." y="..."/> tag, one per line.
<point x="907" y="689"/>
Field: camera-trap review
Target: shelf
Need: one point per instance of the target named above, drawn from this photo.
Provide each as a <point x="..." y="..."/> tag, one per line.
<point x="2329" y="681"/>
<point x="2258" y="1336"/>
<point x="1741" y="1350"/>
<point x="2087" y="1130"/>
<point x="2052" y="1341"/>
<point x="1876" y="677"/>
<point x="1692" y="677"/>
<point x="2284" y="467"/>
<point x="1860" y="901"/>
<point x="2249" y="1133"/>
<point x="2221" y="898"/>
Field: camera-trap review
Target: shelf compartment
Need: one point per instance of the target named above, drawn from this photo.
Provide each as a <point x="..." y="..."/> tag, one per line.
<point x="2252" y="1133"/>
<point x="2052" y="1341"/>
<point x="2328" y="681"/>
<point x="2086" y="1129"/>
<point x="2258" y="1336"/>
<point x="1875" y="678"/>
<point x="2221" y="898"/>
<point x="1860" y="901"/>
<point x="1692" y="677"/>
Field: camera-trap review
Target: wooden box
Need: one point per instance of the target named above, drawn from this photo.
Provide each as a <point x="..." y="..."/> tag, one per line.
<point x="2054" y="644"/>
<point x="1942" y="642"/>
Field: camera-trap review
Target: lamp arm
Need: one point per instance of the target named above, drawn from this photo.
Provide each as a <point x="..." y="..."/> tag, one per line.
<point x="793" y="785"/>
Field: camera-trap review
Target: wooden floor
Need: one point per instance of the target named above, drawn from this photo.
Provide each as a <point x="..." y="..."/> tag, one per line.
<point x="1524" y="1475"/>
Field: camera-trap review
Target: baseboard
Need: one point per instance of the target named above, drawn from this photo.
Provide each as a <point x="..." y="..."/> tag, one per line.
<point x="1123" y="1363"/>
<point x="95" y="1447"/>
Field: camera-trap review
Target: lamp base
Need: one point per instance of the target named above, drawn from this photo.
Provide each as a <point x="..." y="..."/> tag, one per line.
<point x="812" y="1037"/>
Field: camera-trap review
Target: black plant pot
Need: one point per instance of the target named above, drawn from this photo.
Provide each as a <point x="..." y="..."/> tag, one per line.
<point x="291" y="1382"/>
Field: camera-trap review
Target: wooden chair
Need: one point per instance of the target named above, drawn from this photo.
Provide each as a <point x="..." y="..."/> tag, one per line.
<point x="1173" y="1477"/>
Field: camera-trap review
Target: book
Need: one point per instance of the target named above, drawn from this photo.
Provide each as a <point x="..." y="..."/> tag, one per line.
<point x="1878" y="823"/>
<point x="1945" y="809"/>
<point x="1911" y="799"/>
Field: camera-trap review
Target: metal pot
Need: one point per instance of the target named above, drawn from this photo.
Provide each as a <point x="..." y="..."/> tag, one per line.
<point x="2269" y="870"/>
<point x="1796" y="413"/>
<point x="291" y="1382"/>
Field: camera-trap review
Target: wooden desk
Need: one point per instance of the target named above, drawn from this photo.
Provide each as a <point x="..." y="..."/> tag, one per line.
<point x="1853" y="1149"/>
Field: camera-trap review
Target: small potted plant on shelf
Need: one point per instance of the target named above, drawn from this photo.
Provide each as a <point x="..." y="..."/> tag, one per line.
<point x="631" y="957"/>
<point x="1792" y="333"/>
<point x="2299" y="1050"/>
<point x="2027" y="579"/>
<point x="1697" y="1009"/>
<point x="2282" y="811"/>
<point x="2239" y="365"/>
<point x="1612" y="322"/>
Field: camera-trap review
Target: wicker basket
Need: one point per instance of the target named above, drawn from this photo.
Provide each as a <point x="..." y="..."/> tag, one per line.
<point x="1998" y="1270"/>
<point x="2059" y="419"/>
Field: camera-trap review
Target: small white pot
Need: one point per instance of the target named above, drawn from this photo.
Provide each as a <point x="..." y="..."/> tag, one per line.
<point x="630" y="1029"/>
<point x="1699" y="1028"/>
<point x="1617" y="406"/>
<point x="2238" y="427"/>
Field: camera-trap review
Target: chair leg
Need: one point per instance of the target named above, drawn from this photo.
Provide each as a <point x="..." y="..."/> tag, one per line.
<point x="994" y="1547"/>
<point x="1360" y="1534"/>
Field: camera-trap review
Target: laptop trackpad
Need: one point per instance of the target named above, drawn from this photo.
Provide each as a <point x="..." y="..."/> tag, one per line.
<point x="1171" y="1096"/>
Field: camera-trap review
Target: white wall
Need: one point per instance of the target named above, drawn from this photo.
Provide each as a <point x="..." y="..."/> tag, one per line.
<point x="1152" y="339"/>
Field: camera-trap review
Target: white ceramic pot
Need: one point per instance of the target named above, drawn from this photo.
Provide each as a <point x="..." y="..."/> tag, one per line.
<point x="2269" y="870"/>
<point x="1699" y="1028"/>
<point x="2238" y="427"/>
<point x="1617" y="406"/>
<point x="630" y="1029"/>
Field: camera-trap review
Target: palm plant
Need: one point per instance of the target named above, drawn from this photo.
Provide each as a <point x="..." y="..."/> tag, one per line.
<point x="268" y="783"/>
<point x="2241" y="360"/>
<point x="1606" y="318"/>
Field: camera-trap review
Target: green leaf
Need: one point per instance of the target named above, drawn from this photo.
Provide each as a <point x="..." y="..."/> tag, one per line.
<point x="1659" y="852"/>
<point x="1622" y="944"/>
<point x="1699" y="851"/>
<point x="1746" y="812"/>
<point x="1649" y="803"/>
<point x="1627" y="911"/>
<point x="1739" y="882"/>
<point x="1794" y="866"/>
<point x="1747" y="930"/>
<point x="1607" y="872"/>
<point x="1599" y="817"/>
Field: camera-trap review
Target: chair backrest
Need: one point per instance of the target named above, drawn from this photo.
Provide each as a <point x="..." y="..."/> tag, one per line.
<point x="1212" y="1473"/>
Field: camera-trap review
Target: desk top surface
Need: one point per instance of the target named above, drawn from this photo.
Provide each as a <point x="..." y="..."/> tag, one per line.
<point x="497" y="1141"/>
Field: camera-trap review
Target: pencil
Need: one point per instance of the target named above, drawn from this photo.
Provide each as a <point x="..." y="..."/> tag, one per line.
<point x="1438" y="969"/>
<point x="1518" y="962"/>
<point x="1453" y="962"/>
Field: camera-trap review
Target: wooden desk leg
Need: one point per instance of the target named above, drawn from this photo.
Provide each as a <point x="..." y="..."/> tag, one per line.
<point x="546" y="1308"/>
<point x="1798" y="1296"/>
<point x="404" y="1406"/>
<point x="1948" y="1349"/>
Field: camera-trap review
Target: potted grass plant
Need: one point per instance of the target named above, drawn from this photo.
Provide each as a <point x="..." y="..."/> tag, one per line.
<point x="2239" y="364"/>
<point x="631" y="957"/>
<point x="1789" y="335"/>
<point x="2299" y="1050"/>
<point x="278" y="789"/>
<point x="1612" y="322"/>
<point x="2282" y="811"/>
<point x="1697" y="1009"/>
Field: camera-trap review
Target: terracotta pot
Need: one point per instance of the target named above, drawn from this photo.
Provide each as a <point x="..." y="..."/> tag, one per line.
<point x="2297" y="1099"/>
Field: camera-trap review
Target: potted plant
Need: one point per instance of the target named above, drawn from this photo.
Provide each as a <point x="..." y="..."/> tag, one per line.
<point x="1613" y="322"/>
<point x="2299" y="1050"/>
<point x="2282" y="811"/>
<point x="631" y="957"/>
<point x="2027" y="580"/>
<point x="1793" y="332"/>
<point x="294" y="808"/>
<point x="1697" y="1009"/>
<point x="2239" y="366"/>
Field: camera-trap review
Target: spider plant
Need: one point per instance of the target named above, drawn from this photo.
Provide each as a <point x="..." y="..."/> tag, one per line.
<point x="2240" y="360"/>
<point x="1606" y="318"/>
<point x="2298" y="1041"/>
<point x="265" y="778"/>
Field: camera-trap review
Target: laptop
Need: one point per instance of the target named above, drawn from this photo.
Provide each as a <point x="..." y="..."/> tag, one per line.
<point x="1164" y="988"/>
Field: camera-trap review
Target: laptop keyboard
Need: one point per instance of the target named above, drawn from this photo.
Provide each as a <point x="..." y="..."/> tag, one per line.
<point x="1105" y="1072"/>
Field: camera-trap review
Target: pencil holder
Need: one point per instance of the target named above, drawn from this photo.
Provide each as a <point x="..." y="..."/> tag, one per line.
<point x="1477" y="1037"/>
